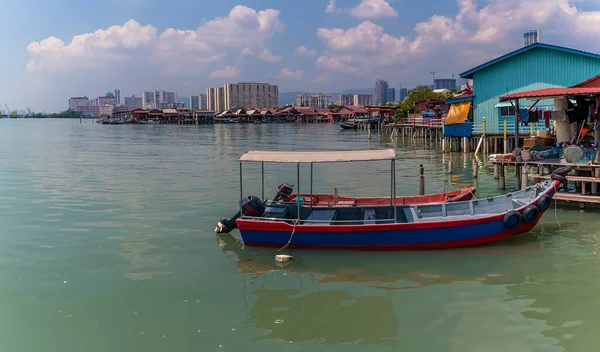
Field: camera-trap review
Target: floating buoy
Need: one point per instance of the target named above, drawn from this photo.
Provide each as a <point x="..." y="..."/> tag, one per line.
<point x="283" y="258"/>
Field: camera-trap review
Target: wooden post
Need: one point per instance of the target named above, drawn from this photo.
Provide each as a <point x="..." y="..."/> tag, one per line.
<point x="475" y="167"/>
<point x="517" y="123"/>
<point x="485" y="149"/>
<point x="502" y="178"/>
<point x="421" y="180"/>
<point x="443" y="145"/>
<point x="450" y="166"/>
<point x="524" y="177"/>
<point x="505" y="139"/>
<point x="596" y="175"/>
<point x="517" y="177"/>
<point x="496" y="171"/>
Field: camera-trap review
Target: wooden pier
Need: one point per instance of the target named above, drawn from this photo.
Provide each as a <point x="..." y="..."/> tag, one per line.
<point x="583" y="191"/>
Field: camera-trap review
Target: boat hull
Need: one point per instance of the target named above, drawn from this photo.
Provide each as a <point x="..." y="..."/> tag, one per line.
<point x="413" y="235"/>
<point x="348" y="126"/>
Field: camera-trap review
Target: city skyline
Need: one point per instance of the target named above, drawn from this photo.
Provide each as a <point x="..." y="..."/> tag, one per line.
<point x="133" y="45"/>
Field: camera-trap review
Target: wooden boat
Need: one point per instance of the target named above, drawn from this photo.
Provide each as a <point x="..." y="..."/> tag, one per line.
<point x="348" y="126"/>
<point x="424" y="226"/>
<point x="148" y="122"/>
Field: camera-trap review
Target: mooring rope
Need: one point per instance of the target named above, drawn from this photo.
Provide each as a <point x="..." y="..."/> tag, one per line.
<point x="556" y="213"/>
<point x="291" y="236"/>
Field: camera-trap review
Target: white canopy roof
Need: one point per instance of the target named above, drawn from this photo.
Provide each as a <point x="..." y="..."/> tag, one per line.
<point x="319" y="157"/>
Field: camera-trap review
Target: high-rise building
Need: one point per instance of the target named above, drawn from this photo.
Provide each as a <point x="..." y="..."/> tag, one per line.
<point x="346" y="99"/>
<point x="118" y="96"/>
<point x="195" y="102"/>
<point x="74" y="102"/>
<point x="391" y="95"/>
<point x="444" y="83"/>
<point x="215" y="99"/>
<point x="108" y="99"/>
<point x="210" y="99"/>
<point x="203" y="105"/>
<point x="250" y="95"/>
<point x="148" y="100"/>
<point x="403" y="93"/>
<point x="159" y="99"/>
<point x="362" y="99"/>
<point x="317" y="101"/>
<point x="164" y="99"/>
<point x="531" y="37"/>
<point x="381" y="92"/>
<point x="133" y="102"/>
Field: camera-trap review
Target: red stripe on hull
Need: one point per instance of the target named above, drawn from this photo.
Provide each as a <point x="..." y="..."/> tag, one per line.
<point x="437" y="245"/>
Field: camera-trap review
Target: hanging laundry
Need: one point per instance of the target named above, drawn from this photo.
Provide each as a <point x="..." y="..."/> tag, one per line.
<point x="534" y="116"/>
<point x="547" y="117"/>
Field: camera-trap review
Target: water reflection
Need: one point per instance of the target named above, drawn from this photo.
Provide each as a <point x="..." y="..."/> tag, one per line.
<point x="493" y="264"/>
<point x="384" y="298"/>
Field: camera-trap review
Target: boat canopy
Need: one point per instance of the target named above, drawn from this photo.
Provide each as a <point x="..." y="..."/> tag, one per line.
<point x="319" y="157"/>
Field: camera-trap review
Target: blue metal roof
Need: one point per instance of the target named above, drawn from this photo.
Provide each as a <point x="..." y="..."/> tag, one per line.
<point x="469" y="74"/>
<point x="460" y="99"/>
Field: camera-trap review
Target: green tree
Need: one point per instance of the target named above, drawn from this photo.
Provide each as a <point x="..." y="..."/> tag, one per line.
<point x="416" y="95"/>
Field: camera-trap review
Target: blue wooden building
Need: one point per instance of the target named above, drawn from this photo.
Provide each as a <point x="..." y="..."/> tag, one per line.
<point x="532" y="67"/>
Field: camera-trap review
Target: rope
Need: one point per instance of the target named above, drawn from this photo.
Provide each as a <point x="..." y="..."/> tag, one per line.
<point x="556" y="213"/>
<point x="290" y="240"/>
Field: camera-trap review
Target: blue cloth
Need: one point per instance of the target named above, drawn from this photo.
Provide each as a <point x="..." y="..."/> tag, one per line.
<point x="459" y="130"/>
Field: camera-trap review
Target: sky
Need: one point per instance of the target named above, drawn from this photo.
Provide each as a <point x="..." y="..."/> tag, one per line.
<point x="53" y="50"/>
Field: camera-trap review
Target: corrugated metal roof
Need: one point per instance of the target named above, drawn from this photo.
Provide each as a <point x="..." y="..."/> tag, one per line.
<point x="551" y="92"/>
<point x="469" y="74"/>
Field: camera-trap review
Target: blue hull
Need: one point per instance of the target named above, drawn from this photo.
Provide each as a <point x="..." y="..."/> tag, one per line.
<point x="462" y="236"/>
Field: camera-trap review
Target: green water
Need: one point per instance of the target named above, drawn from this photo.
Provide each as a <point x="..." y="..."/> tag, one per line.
<point x="107" y="244"/>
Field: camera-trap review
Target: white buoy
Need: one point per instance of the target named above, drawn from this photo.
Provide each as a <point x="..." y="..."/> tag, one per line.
<point x="283" y="258"/>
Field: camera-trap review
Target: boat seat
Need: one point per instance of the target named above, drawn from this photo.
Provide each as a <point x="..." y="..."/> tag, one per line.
<point x="320" y="217"/>
<point x="370" y="217"/>
<point x="276" y="212"/>
<point x="518" y="203"/>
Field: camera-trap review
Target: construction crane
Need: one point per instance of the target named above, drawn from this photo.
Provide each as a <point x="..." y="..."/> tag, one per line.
<point x="7" y="110"/>
<point x="29" y="111"/>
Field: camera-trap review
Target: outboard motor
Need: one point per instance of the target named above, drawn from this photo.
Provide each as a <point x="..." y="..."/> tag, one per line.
<point x="251" y="206"/>
<point x="284" y="192"/>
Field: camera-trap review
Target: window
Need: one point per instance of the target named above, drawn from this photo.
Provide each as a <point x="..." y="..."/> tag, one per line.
<point x="507" y="111"/>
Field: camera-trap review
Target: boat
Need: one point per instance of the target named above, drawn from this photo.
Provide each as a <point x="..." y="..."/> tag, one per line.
<point x="148" y="122"/>
<point x="348" y="126"/>
<point x="112" y="122"/>
<point x="418" y="226"/>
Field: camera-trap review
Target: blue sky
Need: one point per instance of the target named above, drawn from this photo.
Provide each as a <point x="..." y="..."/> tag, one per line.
<point x="66" y="48"/>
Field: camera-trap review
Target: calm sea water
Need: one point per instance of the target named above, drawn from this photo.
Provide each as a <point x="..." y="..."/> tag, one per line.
<point x="107" y="244"/>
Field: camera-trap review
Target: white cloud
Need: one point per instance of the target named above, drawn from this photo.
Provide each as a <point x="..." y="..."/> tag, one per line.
<point x="474" y="35"/>
<point x="173" y="48"/>
<point x="287" y="73"/>
<point x="373" y="9"/>
<point x="267" y="56"/>
<point x="367" y="9"/>
<point x="331" y="7"/>
<point x="302" y="50"/>
<point x="225" y="72"/>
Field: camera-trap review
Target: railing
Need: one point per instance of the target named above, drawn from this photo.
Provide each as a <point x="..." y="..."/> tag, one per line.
<point x="311" y="221"/>
<point x="420" y="122"/>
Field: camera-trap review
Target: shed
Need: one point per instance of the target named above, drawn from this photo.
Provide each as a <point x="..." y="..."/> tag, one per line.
<point x="536" y="66"/>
